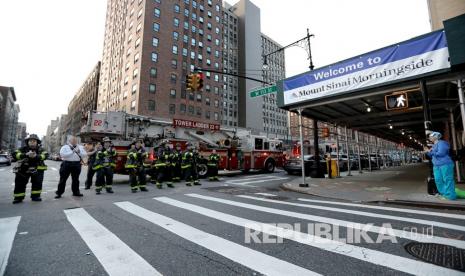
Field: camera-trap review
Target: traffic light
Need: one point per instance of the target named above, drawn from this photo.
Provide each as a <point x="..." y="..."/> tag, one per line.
<point x="325" y="132"/>
<point x="199" y="81"/>
<point x="396" y="101"/>
<point x="190" y="82"/>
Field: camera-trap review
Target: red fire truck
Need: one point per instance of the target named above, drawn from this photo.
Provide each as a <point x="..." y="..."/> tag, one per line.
<point x="238" y="148"/>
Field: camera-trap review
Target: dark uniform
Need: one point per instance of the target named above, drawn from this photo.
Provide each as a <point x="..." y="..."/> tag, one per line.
<point x="104" y="165"/>
<point x="90" y="170"/>
<point x="213" y="163"/>
<point x="176" y="158"/>
<point x="135" y="167"/>
<point x="163" y="167"/>
<point x="189" y="167"/>
<point x="29" y="167"/>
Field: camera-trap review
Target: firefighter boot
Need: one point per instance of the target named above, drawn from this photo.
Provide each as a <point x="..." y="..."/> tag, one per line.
<point x="17" y="200"/>
<point x="170" y="184"/>
<point x="109" y="190"/>
<point x="143" y="189"/>
<point x="197" y="182"/>
<point x="98" y="190"/>
<point x="36" y="199"/>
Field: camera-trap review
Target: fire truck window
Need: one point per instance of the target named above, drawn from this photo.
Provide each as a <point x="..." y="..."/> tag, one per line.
<point x="258" y="143"/>
<point x="267" y="146"/>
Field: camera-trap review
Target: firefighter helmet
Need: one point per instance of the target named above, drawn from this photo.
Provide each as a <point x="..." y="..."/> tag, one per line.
<point x="106" y="139"/>
<point x="32" y="136"/>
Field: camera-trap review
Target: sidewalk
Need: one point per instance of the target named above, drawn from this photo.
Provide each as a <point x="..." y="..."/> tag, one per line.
<point x="399" y="185"/>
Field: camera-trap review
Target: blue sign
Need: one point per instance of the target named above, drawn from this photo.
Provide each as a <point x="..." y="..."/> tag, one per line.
<point x="410" y="58"/>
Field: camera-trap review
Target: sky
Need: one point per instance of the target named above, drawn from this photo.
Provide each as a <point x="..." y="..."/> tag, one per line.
<point x="50" y="46"/>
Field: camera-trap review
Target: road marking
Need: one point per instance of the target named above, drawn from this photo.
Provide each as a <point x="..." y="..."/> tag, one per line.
<point x="8" y="228"/>
<point x="246" y="181"/>
<point x="375" y="215"/>
<point x="365" y="254"/>
<point x="265" y="194"/>
<point x="412" y="211"/>
<point x="416" y="236"/>
<point x="115" y="256"/>
<point x="1" y="170"/>
<point x="55" y="169"/>
<point x="252" y="259"/>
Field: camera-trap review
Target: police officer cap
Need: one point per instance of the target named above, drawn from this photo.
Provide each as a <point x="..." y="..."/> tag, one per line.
<point x="436" y="135"/>
<point x="106" y="139"/>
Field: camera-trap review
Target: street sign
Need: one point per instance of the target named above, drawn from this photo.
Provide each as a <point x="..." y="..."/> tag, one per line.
<point x="263" y="91"/>
<point x="396" y="101"/>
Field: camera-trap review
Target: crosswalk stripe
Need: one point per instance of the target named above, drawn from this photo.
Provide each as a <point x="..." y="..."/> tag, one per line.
<point x="265" y="194"/>
<point x="411" y="211"/>
<point x="8" y="228"/>
<point x="250" y="258"/>
<point x="115" y="256"/>
<point x="350" y="224"/>
<point x="375" y="215"/>
<point x="364" y="254"/>
<point x="259" y="179"/>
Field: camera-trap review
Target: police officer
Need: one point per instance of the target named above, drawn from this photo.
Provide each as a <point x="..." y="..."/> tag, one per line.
<point x="104" y="165"/>
<point x="176" y="156"/>
<point x="30" y="165"/>
<point x="213" y="163"/>
<point x="189" y="166"/>
<point x="135" y="166"/>
<point x="91" y="153"/>
<point x="163" y="165"/>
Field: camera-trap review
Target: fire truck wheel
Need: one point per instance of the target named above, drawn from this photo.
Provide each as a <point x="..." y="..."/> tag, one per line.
<point x="202" y="170"/>
<point x="269" y="166"/>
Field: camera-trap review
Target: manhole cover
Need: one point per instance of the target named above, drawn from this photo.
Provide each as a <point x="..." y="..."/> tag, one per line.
<point x="438" y="254"/>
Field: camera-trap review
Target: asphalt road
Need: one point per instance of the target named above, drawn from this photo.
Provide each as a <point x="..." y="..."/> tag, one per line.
<point x="240" y="225"/>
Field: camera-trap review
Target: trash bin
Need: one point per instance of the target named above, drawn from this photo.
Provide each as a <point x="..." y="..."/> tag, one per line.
<point x="331" y="165"/>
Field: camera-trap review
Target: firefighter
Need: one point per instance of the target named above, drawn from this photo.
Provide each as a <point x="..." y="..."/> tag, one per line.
<point x="135" y="166"/>
<point x="176" y="156"/>
<point x="213" y="163"/>
<point x="30" y="165"/>
<point x="104" y="165"/>
<point x="91" y="154"/>
<point x="189" y="166"/>
<point x="163" y="165"/>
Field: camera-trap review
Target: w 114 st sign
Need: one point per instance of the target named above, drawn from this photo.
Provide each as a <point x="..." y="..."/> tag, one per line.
<point x="396" y="101"/>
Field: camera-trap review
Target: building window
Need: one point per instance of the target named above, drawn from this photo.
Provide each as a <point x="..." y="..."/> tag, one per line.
<point x="127" y="65"/>
<point x="216" y="116"/>
<point x="217" y="78"/>
<point x="155" y="42"/>
<point x="175" y="36"/>
<point x="173" y="93"/>
<point x="137" y="42"/>
<point x="176" y="22"/>
<point x="201" y="19"/>
<point x="208" y="62"/>
<point x="209" y="37"/>
<point x="207" y="101"/>
<point x="217" y="42"/>
<point x="184" y="52"/>
<point x="152" y="88"/>
<point x="153" y="72"/>
<point x="139" y="27"/>
<point x="217" y="30"/>
<point x="125" y="94"/>
<point x="200" y="32"/>
<point x="133" y="105"/>
<point x="156" y="27"/>
<point x="157" y="13"/>
<point x="200" y="44"/>
<point x="216" y="103"/>
<point x="199" y="98"/>
<point x="176" y="8"/>
<point x="199" y="111"/>
<point x="151" y="105"/>
<point x="182" y="108"/>
<point x="154" y="57"/>
<point x="135" y="73"/>
<point x="209" y="49"/>
<point x="193" y="41"/>
<point x="186" y="12"/>
<point x="126" y="80"/>
<point x="209" y="13"/>
<point x="194" y="29"/>
<point x="175" y="50"/>
<point x="174" y="64"/>
<point x="186" y="25"/>
<point x="191" y="96"/>
<point x="207" y="88"/>
<point x="139" y="14"/>
<point x="209" y="25"/>
<point x="191" y="109"/>
<point x="207" y="114"/>
<point x="172" y="108"/>
<point x="134" y="88"/>
<point x="173" y="78"/>
<point x="136" y="57"/>
<point x="183" y="94"/>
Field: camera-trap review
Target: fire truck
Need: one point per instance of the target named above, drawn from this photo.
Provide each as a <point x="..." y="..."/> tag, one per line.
<point x="238" y="148"/>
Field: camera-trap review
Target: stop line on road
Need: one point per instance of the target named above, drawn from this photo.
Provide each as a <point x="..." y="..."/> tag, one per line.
<point x="119" y="257"/>
<point x="245" y="181"/>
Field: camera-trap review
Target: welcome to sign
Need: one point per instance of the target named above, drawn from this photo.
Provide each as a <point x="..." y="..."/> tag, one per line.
<point x="415" y="57"/>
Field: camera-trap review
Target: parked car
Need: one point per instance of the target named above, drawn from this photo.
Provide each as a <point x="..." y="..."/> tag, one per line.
<point x="294" y="165"/>
<point x="5" y="159"/>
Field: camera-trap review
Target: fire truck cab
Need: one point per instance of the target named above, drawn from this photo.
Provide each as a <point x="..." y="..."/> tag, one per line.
<point x="261" y="153"/>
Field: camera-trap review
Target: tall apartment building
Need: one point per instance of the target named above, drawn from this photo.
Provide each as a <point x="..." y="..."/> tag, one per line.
<point x="9" y="111"/>
<point x="230" y="54"/>
<point x="275" y="120"/>
<point x="440" y="10"/>
<point x="49" y="143"/>
<point x="149" y="48"/>
<point x="85" y="100"/>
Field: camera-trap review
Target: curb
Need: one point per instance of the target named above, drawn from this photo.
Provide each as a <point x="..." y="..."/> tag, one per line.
<point x="420" y="204"/>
